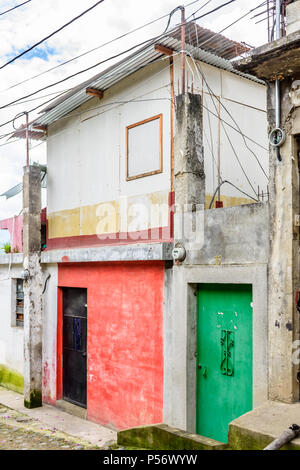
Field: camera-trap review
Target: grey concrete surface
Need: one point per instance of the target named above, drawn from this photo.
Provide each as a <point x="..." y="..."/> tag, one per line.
<point x="62" y="421"/>
<point x="136" y="252"/>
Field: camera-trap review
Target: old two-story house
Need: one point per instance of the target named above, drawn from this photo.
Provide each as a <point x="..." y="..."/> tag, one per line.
<point x="132" y="331"/>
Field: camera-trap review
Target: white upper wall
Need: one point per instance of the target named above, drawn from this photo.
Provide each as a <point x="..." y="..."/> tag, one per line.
<point x="242" y="105"/>
<point x="87" y="151"/>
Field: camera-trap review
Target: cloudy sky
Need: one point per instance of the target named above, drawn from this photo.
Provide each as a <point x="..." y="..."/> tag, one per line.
<point x="27" y="25"/>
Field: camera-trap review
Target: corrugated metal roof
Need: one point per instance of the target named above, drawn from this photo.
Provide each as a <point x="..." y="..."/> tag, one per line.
<point x="106" y="79"/>
<point x="209" y="41"/>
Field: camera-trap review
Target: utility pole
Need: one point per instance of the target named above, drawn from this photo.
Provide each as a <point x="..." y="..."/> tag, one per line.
<point x="33" y="281"/>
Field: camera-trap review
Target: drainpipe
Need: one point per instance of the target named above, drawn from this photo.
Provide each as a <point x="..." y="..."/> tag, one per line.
<point x="183" y="48"/>
<point x="27" y="138"/>
<point x="277" y="83"/>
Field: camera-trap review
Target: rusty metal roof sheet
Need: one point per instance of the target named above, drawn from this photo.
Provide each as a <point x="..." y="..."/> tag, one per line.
<point x="212" y="42"/>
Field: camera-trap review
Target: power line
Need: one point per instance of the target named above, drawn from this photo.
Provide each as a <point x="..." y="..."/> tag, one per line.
<point x="30" y="111"/>
<point x="149" y="42"/>
<point x="51" y="35"/>
<point x="229" y="26"/>
<point x="215" y="9"/>
<point x="14" y="8"/>
<point x="225" y="131"/>
<point x="201" y="8"/>
<point x="61" y="92"/>
<point x="94" y="49"/>
<point x="98" y="107"/>
<point x="231" y="184"/>
<point x="234" y="120"/>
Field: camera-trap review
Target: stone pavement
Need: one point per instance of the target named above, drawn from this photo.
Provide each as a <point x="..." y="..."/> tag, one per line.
<point x="47" y="427"/>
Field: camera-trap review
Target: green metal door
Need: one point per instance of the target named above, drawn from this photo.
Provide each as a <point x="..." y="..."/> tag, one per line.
<point x="224" y="357"/>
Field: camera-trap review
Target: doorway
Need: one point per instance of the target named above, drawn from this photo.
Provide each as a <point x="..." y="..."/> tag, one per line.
<point x="224" y="357"/>
<point x="75" y="346"/>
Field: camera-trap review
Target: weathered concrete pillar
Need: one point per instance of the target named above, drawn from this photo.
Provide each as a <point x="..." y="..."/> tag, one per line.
<point x="293" y="17"/>
<point x="284" y="259"/>
<point x="32" y="287"/>
<point x="188" y="164"/>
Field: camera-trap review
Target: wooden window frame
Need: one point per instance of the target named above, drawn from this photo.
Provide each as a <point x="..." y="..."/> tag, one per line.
<point x="132" y="126"/>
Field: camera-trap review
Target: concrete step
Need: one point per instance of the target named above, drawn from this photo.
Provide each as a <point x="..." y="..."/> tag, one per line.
<point x="71" y="409"/>
<point x="163" y="437"/>
<point x="257" y="429"/>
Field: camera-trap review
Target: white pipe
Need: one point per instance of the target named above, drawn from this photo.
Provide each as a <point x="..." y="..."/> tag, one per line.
<point x="278" y="19"/>
<point x="277" y="83"/>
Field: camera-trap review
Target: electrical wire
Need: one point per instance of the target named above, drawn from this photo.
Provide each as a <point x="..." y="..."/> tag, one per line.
<point x="14" y="8"/>
<point x="94" y="49"/>
<point x="231" y="184"/>
<point x="29" y="111"/>
<point x="201" y="8"/>
<point x="225" y="131"/>
<point x="229" y="114"/>
<point x="51" y="35"/>
<point x="60" y="92"/>
<point x="214" y="10"/>
<point x="125" y="102"/>
<point x="160" y="59"/>
<point x="229" y="26"/>
<point x="235" y="122"/>
<point x="149" y="42"/>
<point x="18" y="101"/>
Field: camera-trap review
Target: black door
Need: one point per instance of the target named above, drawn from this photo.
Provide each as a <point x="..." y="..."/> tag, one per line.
<point x="74" y="345"/>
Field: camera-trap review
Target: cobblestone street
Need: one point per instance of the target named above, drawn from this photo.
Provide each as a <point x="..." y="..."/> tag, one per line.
<point x="19" y="432"/>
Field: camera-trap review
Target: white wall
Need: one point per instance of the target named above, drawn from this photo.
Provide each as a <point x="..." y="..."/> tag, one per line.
<point x="50" y="333"/>
<point x="245" y="101"/>
<point x="11" y="338"/>
<point x="86" y="153"/>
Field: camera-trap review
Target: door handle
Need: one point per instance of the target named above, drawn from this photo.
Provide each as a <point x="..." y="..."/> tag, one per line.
<point x="84" y="354"/>
<point x="203" y="369"/>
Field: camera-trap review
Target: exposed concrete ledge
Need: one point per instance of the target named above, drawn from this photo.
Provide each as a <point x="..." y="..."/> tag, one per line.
<point x="163" y="437"/>
<point x="257" y="429"/>
<point x="13" y="258"/>
<point x="280" y="57"/>
<point x="139" y="252"/>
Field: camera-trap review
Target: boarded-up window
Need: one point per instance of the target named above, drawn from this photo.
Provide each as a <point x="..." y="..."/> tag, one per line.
<point x="144" y="148"/>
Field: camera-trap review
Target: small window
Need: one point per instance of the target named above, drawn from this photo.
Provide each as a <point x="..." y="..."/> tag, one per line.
<point x="144" y="150"/>
<point x="19" y="303"/>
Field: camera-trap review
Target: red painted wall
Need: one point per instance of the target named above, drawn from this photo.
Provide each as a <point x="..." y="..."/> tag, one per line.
<point x="125" y="340"/>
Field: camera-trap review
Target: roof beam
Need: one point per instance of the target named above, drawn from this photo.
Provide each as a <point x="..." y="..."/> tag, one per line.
<point x="93" y="92"/>
<point x="40" y="128"/>
<point x="163" y="49"/>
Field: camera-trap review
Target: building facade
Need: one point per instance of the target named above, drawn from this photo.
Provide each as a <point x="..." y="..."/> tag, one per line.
<point x="131" y="330"/>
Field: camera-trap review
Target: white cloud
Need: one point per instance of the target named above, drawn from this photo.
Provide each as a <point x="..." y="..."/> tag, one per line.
<point x="28" y="24"/>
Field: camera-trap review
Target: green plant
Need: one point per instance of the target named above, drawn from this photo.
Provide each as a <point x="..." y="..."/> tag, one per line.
<point x="7" y="247"/>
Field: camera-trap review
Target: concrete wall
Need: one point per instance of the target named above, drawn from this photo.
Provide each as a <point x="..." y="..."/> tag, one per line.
<point x="87" y="161"/>
<point x="86" y="151"/>
<point x="284" y="325"/>
<point x="243" y="107"/>
<point x="235" y="251"/>
<point x="124" y="340"/>
<point x="234" y="235"/>
<point x="50" y="333"/>
<point x="11" y="336"/>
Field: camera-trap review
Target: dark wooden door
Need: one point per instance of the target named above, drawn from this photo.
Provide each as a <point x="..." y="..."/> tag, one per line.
<point x="75" y="345"/>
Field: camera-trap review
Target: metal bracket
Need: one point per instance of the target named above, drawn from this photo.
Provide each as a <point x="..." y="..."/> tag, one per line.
<point x="227" y="343"/>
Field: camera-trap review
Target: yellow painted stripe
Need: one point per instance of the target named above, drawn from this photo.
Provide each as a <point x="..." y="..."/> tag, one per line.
<point x="104" y="218"/>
